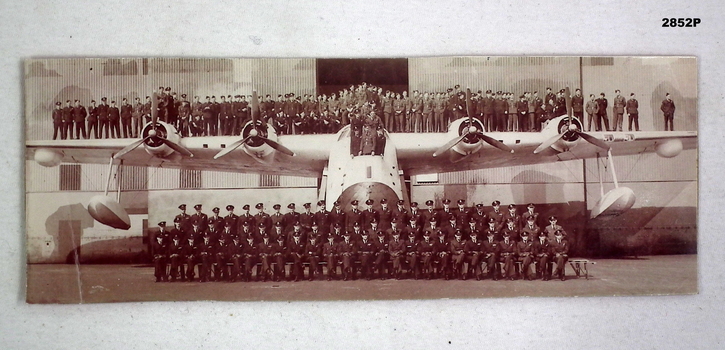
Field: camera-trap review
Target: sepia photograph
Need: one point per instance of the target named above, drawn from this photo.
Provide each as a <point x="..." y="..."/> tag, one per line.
<point x="290" y="179"/>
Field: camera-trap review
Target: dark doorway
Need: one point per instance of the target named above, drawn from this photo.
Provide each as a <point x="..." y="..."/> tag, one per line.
<point x="337" y="74"/>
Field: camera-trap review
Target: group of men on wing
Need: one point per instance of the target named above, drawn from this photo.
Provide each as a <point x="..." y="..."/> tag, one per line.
<point x="310" y="114"/>
<point x="379" y="242"/>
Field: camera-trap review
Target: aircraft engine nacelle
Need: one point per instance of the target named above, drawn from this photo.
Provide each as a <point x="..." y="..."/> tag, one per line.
<point x="569" y="139"/>
<point x="154" y="145"/>
<point x="48" y="157"/>
<point x="255" y="147"/>
<point x="614" y="202"/>
<point x="669" y="148"/>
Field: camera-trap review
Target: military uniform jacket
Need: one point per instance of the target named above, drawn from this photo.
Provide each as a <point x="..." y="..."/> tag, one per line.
<point x="632" y="106"/>
<point x="498" y="216"/>
<point x="457" y="247"/>
<point x="266" y="248"/>
<point x="216" y="221"/>
<point x="189" y="249"/>
<point x="67" y="114"/>
<point x="541" y="247"/>
<point x="537" y="103"/>
<point x="381" y="247"/>
<point x="525" y="218"/>
<point x="231" y="219"/>
<point x="385" y="216"/>
<point x="221" y="249"/>
<point x="508" y="247"/>
<point x="461" y="216"/>
<point x="618" y="105"/>
<point x="491" y="247"/>
<point x="396" y="247"/>
<point x="603" y="103"/>
<point x="487" y="104"/>
<point x="516" y="218"/>
<point x="313" y="249"/>
<point x="79" y="114"/>
<point x="126" y="111"/>
<point x="442" y="247"/>
<point x="668" y="106"/>
<point x="290" y="219"/>
<point x="592" y="107"/>
<point x="329" y="248"/>
<point x="113" y="114"/>
<point x="306" y="219"/>
<point x="353" y="217"/>
<point x="411" y="246"/>
<point x="577" y="103"/>
<point x="427" y="247"/>
<point x="200" y="218"/>
<point x="57" y="115"/>
<point x="525" y="248"/>
<point x="160" y="248"/>
<point x="250" y="249"/>
<point x="338" y="217"/>
<point x="296" y="247"/>
<point x="560" y="247"/>
<point x="472" y="247"/>
<point x="207" y="248"/>
<point x="262" y="218"/>
<point x="102" y="110"/>
<point x="481" y="218"/>
<point x="92" y="114"/>
<point x="533" y="231"/>
<point x="367" y="217"/>
<point x="400" y="214"/>
<point x="500" y="105"/>
<point x="234" y="249"/>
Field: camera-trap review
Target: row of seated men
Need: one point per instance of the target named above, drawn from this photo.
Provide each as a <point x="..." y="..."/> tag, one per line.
<point x="436" y="251"/>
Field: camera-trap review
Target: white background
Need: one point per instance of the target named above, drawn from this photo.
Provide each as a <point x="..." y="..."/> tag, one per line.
<point x="363" y="29"/>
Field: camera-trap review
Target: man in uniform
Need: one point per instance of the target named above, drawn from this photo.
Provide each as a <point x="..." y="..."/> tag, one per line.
<point x="472" y="229"/>
<point x="385" y="215"/>
<point x="541" y="252"/>
<point x="103" y="127"/>
<point x="291" y="217"/>
<point x="525" y="251"/>
<point x="159" y="247"/>
<point x="231" y="219"/>
<point x="126" y="113"/>
<point x="496" y="214"/>
<point x="207" y="250"/>
<point x="322" y="217"/>
<point x="442" y="256"/>
<point x="473" y="249"/>
<point x="381" y="254"/>
<point x="277" y="216"/>
<point x="67" y="119"/>
<point x="114" y="120"/>
<point x="633" y="112"/>
<point x="537" y="104"/>
<point x="552" y="228"/>
<point x="79" y="119"/>
<point x="491" y="250"/>
<point x="369" y="214"/>
<point x="513" y="216"/>
<point x="234" y="255"/>
<point x="508" y="255"/>
<point x="329" y="252"/>
<point x="487" y="111"/>
<point x="347" y="251"/>
<point x="307" y="217"/>
<point x="58" y="121"/>
<point x="245" y="217"/>
<point x="577" y="105"/>
<point x="426" y="252"/>
<point x="461" y="213"/>
<point x="184" y="111"/>
<point x="618" y="107"/>
<point x="530" y="211"/>
<point x="668" y="108"/>
<point x="500" y="109"/>
<point x="396" y="250"/>
<point x="250" y="254"/>
<point x="480" y="216"/>
<point x="216" y="220"/>
<point x="313" y="250"/>
<point x="137" y="117"/>
<point x="400" y="213"/>
<point x="189" y="256"/>
<point x="355" y="215"/>
<point x="337" y="216"/>
<point x="603" y="120"/>
<point x="199" y="217"/>
<point x="221" y="270"/>
<point x="266" y="251"/>
<point x="428" y="213"/>
<point x="93" y="120"/>
<point x="530" y="228"/>
<point x="522" y="111"/>
<point x="411" y="255"/>
<point x="592" y="113"/>
<point x="261" y="218"/>
<point x="296" y="250"/>
<point x="458" y="254"/>
<point x="560" y="253"/>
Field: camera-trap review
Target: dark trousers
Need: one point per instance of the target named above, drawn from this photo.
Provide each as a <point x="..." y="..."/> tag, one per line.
<point x="103" y="128"/>
<point x="93" y="126"/>
<point x="634" y="117"/>
<point x="67" y="129"/>
<point x="57" y="129"/>
<point x="160" y="268"/>
<point x="126" y="127"/>
<point x="115" y="127"/>
<point x="190" y="263"/>
<point x="177" y="268"/>
<point x="80" y="127"/>
<point x="380" y="262"/>
<point x="669" y="122"/>
<point x="314" y="265"/>
<point x="602" y="120"/>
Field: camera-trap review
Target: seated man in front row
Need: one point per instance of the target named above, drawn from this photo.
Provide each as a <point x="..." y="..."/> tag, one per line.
<point x="559" y="253"/>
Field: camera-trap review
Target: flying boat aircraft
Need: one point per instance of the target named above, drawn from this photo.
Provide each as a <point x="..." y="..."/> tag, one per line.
<point x="344" y="177"/>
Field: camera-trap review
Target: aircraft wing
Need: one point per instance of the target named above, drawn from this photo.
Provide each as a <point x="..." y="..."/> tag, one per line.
<point x="311" y="154"/>
<point x="415" y="151"/>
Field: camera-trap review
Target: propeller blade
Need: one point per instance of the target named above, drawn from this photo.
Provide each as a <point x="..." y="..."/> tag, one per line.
<point x="449" y="145"/>
<point x="567" y="99"/>
<point x="496" y="143"/>
<point x="594" y="141"/>
<point x="130" y="148"/>
<point x="548" y="143"/>
<point x="255" y="108"/>
<point x="231" y="147"/>
<point x="154" y="107"/>
<point x="278" y="147"/>
<point x="468" y="107"/>
<point x="178" y="148"/>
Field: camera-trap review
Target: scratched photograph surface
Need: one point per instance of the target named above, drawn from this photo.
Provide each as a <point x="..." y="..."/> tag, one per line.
<point x="234" y="179"/>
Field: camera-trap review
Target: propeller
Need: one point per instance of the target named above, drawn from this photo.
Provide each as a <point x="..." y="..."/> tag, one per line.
<point x="254" y="133"/>
<point x="572" y="130"/>
<point x="472" y="131"/>
<point x="153" y="135"/>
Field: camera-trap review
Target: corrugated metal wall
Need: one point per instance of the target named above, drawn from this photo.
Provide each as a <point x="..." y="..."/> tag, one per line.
<point x="649" y="78"/>
<point x="514" y="74"/>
